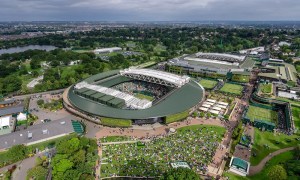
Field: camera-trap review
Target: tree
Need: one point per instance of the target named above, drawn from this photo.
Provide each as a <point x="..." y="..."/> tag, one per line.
<point x="37" y="173"/>
<point x="40" y="102"/>
<point x="277" y="172"/>
<point x="17" y="152"/>
<point x="180" y="174"/>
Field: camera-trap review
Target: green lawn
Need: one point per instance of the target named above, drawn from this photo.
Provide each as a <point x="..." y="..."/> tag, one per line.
<point x="296" y="116"/>
<point x="232" y="89"/>
<point x="177" y="117"/>
<point x="279" y="159"/>
<point x="116" y="122"/>
<point x="208" y="84"/>
<point x="143" y="96"/>
<point x="294" y="103"/>
<point x="115" y="139"/>
<point x="262" y="114"/>
<point x="240" y="78"/>
<point x="193" y="144"/>
<point x="266" y="88"/>
<point x="268" y="142"/>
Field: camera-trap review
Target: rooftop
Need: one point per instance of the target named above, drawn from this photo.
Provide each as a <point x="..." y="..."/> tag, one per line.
<point x="39" y="133"/>
<point x="11" y="110"/>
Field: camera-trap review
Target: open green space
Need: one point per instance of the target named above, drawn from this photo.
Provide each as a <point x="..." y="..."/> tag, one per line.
<point x="296" y="117"/>
<point x="192" y="144"/>
<point x="143" y="96"/>
<point x="262" y="114"/>
<point x="268" y="142"/>
<point x="115" y="139"/>
<point x="208" y="84"/>
<point x="112" y="122"/>
<point x="232" y="89"/>
<point x="293" y="103"/>
<point x="266" y="88"/>
<point x="177" y="117"/>
<point x="240" y="78"/>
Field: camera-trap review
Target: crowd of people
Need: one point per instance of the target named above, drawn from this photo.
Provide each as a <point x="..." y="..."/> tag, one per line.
<point x="132" y="87"/>
<point x="195" y="145"/>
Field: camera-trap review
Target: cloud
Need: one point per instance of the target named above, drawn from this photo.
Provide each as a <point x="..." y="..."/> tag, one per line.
<point x="153" y="10"/>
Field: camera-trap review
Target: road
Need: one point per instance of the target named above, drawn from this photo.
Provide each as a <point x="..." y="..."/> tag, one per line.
<point x="37" y="94"/>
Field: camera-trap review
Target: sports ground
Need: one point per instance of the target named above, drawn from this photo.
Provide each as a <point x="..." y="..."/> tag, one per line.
<point x="208" y="84"/>
<point x="195" y="145"/>
<point x="262" y="114"/>
<point x="232" y="89"/>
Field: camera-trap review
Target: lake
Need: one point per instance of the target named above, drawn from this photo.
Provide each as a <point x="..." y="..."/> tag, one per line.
<point x="25" y="48"/>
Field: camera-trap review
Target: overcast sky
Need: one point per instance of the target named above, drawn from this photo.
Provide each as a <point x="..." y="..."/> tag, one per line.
<point x="148" y="10"/>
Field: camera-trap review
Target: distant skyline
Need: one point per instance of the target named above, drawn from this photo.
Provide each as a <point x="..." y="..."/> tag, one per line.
<point x="149" y="10"/>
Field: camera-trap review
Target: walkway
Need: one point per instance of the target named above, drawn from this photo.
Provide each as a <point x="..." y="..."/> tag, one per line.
<point x="154" y="131"/>
<point x="256" y="169"/>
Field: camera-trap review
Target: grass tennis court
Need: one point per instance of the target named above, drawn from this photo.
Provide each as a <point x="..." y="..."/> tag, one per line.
<point x="266" y="88"/>
<point x="262" y="114"/>
<point x="208" y="84"/>
<point x="143" y="96"/>
<point x="232" y="89"/>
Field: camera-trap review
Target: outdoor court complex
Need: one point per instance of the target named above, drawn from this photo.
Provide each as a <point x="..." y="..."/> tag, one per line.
<point x="136" y="95"/>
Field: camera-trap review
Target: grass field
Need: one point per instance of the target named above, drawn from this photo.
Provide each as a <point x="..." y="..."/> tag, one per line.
<point x="240" y="78"/>
<point x="177" y="117"/>
<point x="232" y="89"/>
<point x="208" y="84"/>
<point x="296" y="116"/>
<point x="268" y="142"/>
<point x="143" y="96"/>
<point x="262" y="114"/>
<point x="193" y="144"/>
<point x="279" y="159"/>
<point x="116" y="122"/>
<point x="265" y="88"/>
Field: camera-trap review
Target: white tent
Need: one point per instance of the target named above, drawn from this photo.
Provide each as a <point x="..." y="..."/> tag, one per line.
<point x="206" y="105"/>
<point x="203" y="109"/>
<point x="223" y="103"/>
<point x="221" y="106"/>
<point x="22" y="117"/>
<point x="210" y="103"/>
<point x="211" y="100"/>
<point x="214" y="112"/>
<point x="216" y="108"/>
<point x="5" y="121"/>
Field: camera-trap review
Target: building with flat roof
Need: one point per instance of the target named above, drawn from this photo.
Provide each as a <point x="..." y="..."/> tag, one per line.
<point x="277" y="71"/>
<point x="239" y="166"/>
<point x="107" y="50"/>
<point x="37" y="133"/>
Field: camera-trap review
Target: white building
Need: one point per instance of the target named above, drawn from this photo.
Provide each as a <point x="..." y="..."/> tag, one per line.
<point x="107" y="50"/>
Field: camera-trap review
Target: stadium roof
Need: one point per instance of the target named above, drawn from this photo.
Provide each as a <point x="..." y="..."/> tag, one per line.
<point x="159" y="77"/>
<point x="180" y="100"/>
<point x="130" y="101"/>
<point x="220" y="56"/>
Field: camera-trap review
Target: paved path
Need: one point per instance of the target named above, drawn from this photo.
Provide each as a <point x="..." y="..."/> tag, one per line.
<point x="37" y="94"/>
<point x="149" y="132"/>
<point x="256" y="169"/>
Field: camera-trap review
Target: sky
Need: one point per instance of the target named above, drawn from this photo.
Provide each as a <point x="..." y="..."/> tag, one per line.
<point x="149" y="10"/>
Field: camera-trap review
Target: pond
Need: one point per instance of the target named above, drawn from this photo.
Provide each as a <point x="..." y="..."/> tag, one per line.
<point x="25" y="48"/>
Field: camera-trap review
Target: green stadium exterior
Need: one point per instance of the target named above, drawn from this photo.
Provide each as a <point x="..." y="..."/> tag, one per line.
<point x="179" y="100"/>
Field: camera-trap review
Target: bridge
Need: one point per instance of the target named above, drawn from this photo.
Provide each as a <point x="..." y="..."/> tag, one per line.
<point x="157" y="77"/>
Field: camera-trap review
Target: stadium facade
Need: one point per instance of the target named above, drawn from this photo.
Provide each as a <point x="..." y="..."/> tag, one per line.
<point x="213" y="65"/>
<point x="113" y="95"/>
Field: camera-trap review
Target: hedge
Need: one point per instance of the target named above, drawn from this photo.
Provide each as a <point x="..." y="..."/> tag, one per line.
<point x="116" y="122"/>
<point x="177" y="117"/>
